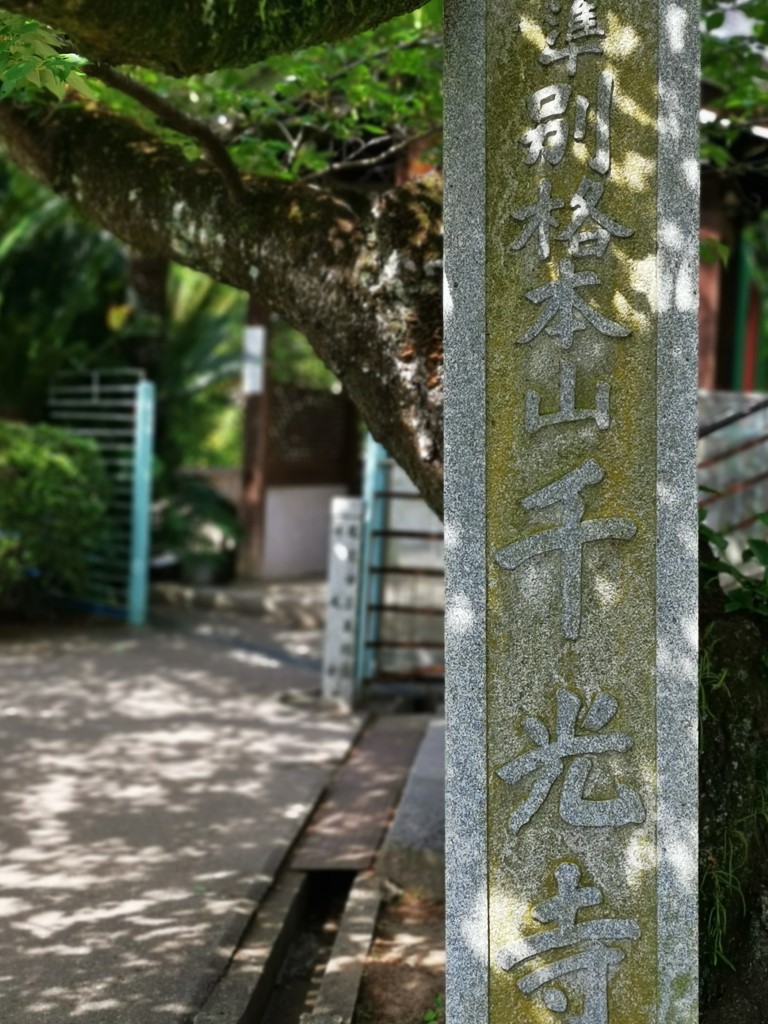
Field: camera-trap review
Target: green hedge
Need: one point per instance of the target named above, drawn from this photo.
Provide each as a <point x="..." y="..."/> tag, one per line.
<point x="53" y="502"/>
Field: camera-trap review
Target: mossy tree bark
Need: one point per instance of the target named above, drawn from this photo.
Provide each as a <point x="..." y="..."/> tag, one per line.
<point x="186" y="37"/>
<point x="362" y="278"/>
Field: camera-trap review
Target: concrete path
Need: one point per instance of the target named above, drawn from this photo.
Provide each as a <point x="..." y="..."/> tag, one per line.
<point x="150" y="784"/>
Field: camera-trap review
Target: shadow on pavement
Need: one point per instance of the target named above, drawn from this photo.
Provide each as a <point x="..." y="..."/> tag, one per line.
<point x="149" y="782"/>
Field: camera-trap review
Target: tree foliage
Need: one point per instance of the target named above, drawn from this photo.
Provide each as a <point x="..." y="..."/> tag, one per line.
<point x="59" y="275"/>
<point x="735" y="74"/>
<point x="53" y="493"/>
<point x="292" y="156"/>
<point x="270" y="171"/>
<point x="31" y="56"/>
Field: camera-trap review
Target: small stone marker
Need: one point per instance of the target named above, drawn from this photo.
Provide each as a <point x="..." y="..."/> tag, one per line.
<point x="343" y="585"/>
<point x="571" y="536"/>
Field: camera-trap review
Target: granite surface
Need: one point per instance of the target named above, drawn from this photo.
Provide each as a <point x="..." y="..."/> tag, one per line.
<point x="572" y="207"/>
<point x="465" y="502"/>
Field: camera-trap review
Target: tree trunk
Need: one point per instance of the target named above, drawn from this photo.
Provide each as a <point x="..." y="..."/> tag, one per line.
<point x="362" y="278"/>
<point x="147" y="283"/>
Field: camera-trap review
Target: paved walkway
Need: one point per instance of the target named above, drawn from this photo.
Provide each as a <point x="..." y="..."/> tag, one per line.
<point x="150" y="783"/>
<point x="299" y="603"/>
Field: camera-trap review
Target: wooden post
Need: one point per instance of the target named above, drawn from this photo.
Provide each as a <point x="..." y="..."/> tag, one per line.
<point x="255" y="443"/>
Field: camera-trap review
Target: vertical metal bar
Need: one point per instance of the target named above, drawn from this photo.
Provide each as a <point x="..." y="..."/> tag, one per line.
<point x="380" y="507"/>
<point x="742" y="313"/>
<point x="141" y="503"/>
<point x="373" y="511"/>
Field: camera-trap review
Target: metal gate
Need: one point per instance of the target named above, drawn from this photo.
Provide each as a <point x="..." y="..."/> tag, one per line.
<point x="400" y="610"/>
<point x="116" y="409"/>
<point x="401" y="594"/>
<point x="733" y="466"/>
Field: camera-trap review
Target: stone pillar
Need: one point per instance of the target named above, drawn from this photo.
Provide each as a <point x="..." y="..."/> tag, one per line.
<point x="571" y="534"/>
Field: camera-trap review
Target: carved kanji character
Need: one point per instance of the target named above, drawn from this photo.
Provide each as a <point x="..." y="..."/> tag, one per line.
<point x="584" y="205"/>
<point x="538" y="219"/>
<point x="568" y="412"/>
<point x="569" y="539"/>
<point x="548" y="140"/>
<point x="568" y="310"/>
<point x="546" y="763"/>
<point x="581" y="37"/>
<point x="589" y="968"/>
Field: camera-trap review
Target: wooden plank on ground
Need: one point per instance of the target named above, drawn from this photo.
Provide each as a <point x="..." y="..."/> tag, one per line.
<point x="349" y="825"/>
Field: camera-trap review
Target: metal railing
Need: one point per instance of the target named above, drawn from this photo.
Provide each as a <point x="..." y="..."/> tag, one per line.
<point x="116" y="409"/>
<point x="400" y="605"/>
<point x="733" y="465"/>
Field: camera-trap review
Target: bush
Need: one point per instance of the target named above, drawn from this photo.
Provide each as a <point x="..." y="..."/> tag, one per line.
<point x="53" y="504"/>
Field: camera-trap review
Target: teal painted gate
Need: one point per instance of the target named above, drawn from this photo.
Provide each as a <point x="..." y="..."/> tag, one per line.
<point x="116" y="409"/>
<point x="400" y="612"/>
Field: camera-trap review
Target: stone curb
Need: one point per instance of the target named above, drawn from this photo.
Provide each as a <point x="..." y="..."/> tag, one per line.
<point x="340" y="986"/>
<point x="253" y="968"/>
<point x="413" y="853"/>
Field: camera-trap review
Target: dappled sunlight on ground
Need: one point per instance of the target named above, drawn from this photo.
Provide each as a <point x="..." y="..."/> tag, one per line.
<point x="405" y="969"/>
<point x="147" y="783"/>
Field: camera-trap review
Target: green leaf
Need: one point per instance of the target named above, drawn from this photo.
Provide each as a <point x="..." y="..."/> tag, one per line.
<point x="759" y="550"/>
<point x="716" y="154"/>
<point x="713" y="537"/>
<point x="13" y="75"/>
<point x="712" y="250"/>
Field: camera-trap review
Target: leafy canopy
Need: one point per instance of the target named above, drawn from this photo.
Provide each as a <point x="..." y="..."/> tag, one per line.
<point x="298" y="115"/>
<point x="357" y="104"/>
<point x="734" y="55"/>
<point x="31" y="55"/>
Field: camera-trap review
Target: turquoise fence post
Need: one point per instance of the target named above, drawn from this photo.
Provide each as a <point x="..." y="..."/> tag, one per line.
<point x="371" y="554"/>
<point x="141" y="502"/>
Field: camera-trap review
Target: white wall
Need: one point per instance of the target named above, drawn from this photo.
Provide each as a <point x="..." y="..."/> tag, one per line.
<point x="297" y="523"/>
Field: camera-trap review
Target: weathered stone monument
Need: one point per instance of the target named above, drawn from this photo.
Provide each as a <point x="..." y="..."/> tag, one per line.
<point x="571" y="538"/>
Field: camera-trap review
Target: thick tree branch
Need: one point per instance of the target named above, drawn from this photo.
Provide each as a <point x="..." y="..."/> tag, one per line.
<point x="185" y="37"/>
<point x="364" y="287"/>
<point x="214" y="149"/>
